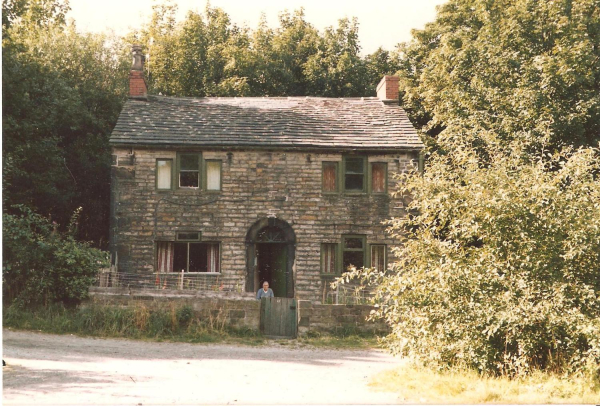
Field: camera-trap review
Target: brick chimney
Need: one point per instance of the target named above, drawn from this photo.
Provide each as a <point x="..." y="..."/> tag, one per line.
<point x="387" y="89"/>
<point x="137" y="84"/>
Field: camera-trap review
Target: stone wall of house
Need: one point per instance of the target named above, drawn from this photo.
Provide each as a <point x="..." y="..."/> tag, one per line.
<point x="255" y="185"/>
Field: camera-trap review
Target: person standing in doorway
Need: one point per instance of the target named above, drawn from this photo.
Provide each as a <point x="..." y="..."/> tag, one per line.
<point x="265" y="291"/>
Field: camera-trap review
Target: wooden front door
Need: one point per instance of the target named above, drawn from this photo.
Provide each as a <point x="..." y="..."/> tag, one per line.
<point x="278" y="317"/>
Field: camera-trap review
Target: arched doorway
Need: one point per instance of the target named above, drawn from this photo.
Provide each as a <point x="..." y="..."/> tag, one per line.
<point x="270" y="255"/>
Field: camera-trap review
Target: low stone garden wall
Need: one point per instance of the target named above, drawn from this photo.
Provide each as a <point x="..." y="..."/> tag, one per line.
<point x="242" y="310"/>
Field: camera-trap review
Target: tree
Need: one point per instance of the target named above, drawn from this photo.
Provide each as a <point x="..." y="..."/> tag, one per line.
<point x="62" y="93"/>
<point x="499" y="262"/>
<point x="519" y="69"/>
<point x="40" y="265"/>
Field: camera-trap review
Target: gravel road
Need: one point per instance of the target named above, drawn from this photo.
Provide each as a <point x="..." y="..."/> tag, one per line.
<point x="45" y="369"/>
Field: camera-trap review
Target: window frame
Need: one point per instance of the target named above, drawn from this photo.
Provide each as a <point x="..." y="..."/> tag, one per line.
<point x="385" y="258"/>
<point x="364" y="250"/>
<point x="205" y="175"/>
<point x="385" y="178"/>
<point x="177" y="239"/>
<point x="344" y="173"/>
<point x="336" y="165"/>
<point x="200" y="171"/>
<point x="156" y="175"/>
<point x="188" y="242"/>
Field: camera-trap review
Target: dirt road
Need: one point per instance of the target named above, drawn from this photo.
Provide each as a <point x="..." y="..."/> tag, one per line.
<point x="51" y="369"/>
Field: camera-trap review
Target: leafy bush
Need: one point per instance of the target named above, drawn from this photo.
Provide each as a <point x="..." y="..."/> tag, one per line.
<point x="499" y="266"/>
<point x="41" y="265"/>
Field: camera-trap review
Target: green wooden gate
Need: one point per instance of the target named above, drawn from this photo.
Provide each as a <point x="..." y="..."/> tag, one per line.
<point x="278" y="317"/>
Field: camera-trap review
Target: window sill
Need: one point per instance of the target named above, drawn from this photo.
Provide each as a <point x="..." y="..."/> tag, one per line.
<point x="330" y="275"/>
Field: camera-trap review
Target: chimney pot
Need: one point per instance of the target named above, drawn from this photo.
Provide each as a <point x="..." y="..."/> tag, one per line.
<point x="388" y="88"/>
<point x="137" y="83"/>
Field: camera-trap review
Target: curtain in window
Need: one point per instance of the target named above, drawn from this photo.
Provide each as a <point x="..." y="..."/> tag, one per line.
<point x="213" y="175"/>
<point x="164" y="174"/>
<point x="378" y="257"/>
<point x="212" y="251"/>
<point x="165" y="256"/>
<point x="329" y="174"/>
<point x="378" y="173"/>
<point x="328" y="258"/>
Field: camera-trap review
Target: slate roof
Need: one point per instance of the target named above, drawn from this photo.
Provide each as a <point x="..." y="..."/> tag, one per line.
<point x="271" y="122"/>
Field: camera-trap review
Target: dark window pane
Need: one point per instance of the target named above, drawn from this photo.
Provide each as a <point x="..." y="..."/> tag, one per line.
<point x="354" y="165"/>
<point x="188" y="179"/>
<point x="329" y="177"/>
<point x="198" y="257"/>
<point x="354" y="182"/>
<point x="353" y="243"/>
<point x="189" y="162"/>
<point x="180" y="257"/>
<point x="378" y="174"/>
<point x="188" y="236"/>
<point x="355" y="258"/>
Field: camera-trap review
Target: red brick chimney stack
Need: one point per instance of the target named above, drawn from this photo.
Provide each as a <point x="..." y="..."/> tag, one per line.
<point x="387" y="89"/>
<point x="137" y="84"/>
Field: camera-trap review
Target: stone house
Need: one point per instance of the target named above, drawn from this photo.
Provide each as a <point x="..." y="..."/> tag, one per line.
<point x="228" y="192"/>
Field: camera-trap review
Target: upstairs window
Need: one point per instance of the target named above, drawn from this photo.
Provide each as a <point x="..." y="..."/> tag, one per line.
<point x="378" y="177"/>
<point x="330" y="183"/>
<point x="164" y="174"/>
<point x="189" y="170"/>
<point x="353" y="251"/>
<point x="354" y="174"/>
<point x="213" y="175"/>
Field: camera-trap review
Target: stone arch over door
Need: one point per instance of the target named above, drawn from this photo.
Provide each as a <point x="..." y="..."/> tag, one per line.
<point x="274" y="231"/>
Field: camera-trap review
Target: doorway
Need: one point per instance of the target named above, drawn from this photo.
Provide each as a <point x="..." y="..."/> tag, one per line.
<point x="271" y="264"/>
<point x="270" y="254"/>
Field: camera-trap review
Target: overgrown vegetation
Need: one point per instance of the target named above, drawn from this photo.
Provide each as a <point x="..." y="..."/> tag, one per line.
<point x="41" y="265"/>
<point x="174" y="323"/>
<point x="500" y="256"/>
<point x="465" y="386"/>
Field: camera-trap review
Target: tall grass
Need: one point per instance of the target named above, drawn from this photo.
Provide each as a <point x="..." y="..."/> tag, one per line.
<point x="418" y="384"/>
<point x="171" y="322"/>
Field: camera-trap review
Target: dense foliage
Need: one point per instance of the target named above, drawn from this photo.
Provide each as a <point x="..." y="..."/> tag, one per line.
<point x="41" y="265"/>
<point x="208" y="55"/>
<point x="61" y="94"/>
<point x="500" y="261"/>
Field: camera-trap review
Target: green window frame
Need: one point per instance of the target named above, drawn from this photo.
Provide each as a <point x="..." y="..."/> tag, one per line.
<point x="208" y="163"/>
<point x="188" y="236"/>
<point x="158" y="170"/>
<point x="196" y="254"/>
<point x="375" y="180"/>
<point x="354" y="173"/>
<point x="330" y="168"/>
<point x="186" y="168"/>
<point x="353" y="249"/>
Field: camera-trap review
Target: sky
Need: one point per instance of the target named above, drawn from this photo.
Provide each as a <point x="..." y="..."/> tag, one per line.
<point x="382" y="23"/>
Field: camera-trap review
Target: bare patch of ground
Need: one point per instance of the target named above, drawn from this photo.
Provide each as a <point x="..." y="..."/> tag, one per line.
<point x="57" y="369"/>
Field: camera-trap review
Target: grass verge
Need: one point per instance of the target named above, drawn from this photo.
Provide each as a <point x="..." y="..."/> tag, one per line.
<point x="167" y="323"/>
<point x="422" y="385"/>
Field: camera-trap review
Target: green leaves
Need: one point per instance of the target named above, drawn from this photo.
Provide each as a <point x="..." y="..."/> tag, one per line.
<point x="41" y="265"/>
